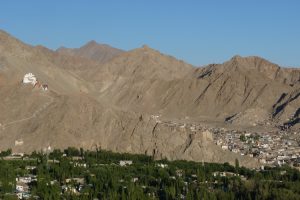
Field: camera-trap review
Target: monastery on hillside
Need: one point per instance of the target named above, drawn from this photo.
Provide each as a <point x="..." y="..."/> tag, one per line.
<point x="30" y="78"/>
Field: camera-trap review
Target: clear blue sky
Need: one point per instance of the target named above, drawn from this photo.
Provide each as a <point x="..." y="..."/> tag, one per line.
<point x="199" y="32"/>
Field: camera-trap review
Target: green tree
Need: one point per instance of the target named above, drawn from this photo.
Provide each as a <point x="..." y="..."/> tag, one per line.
<point x="237" y="164"/>
<point x="243" y="138"/>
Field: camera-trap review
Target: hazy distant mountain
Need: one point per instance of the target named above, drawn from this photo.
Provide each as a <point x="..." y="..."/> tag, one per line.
<point x="92" y="50"/>
<point x="140" y="101"/>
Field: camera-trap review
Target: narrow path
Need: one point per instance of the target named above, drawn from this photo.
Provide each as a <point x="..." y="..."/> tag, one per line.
<point x="3" y="126"/>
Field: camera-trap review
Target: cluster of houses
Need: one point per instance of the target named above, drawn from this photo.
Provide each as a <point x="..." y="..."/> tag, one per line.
<point x="275" y="147"/>
<point x="180" y="126"/>
<point x="271" y="148"/>
<point x="23" y="185"/>
<point x="30" y="78"/>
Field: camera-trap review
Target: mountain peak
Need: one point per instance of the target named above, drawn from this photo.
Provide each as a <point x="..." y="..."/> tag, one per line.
<point x="236" y="57"/>
<point x="254" y="65"/>
<point x="93" y="50"/>
<point x="249" y="59"/>
<point x="145" y="62"/>
<point x="250" y="62"/>
<point x="145" y="46"/>
<point x="91" y="43"/>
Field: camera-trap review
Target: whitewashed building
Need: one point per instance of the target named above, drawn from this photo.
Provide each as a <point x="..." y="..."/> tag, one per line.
<point x="19" y="142"/>
<point x="125" y="162"/>
<point x="30" y="78"/>
<point x="162" y="165"/>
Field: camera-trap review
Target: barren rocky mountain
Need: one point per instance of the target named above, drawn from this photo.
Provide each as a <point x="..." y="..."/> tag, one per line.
<point x="242" y="90"/>
<point x="140" y="101"/>
<point x="92" y="50"/>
